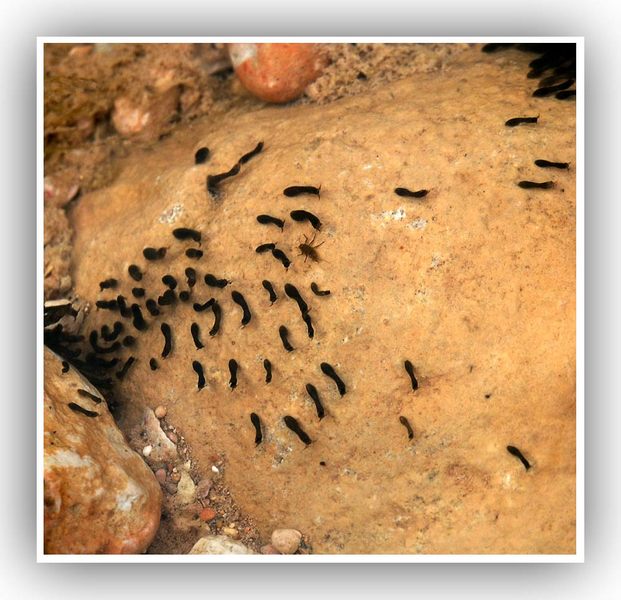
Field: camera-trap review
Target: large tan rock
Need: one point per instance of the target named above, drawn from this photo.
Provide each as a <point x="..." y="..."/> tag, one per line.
<point x="99" y="495"/>
<point x="474" y="284"/>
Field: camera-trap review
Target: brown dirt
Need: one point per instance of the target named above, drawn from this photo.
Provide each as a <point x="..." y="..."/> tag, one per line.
<point x="475" y="285"/>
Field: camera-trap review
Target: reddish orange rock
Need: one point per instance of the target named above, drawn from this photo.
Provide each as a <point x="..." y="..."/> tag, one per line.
<point x="207" y="514"/>
<point x="277" y="72"/>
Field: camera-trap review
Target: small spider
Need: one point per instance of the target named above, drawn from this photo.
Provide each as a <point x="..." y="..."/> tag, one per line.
<point x="308" y="250"/>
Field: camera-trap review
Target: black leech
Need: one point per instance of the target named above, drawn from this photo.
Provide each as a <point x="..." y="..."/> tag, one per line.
<point x="128" y="363"/>
<point x="407" y="425"/>
<point x="154" y="253"/>
<point x="521" y="120"/>
<point x="190" y="273"/>
<point x="196" y="336"/>
<point x="267" y="365"/>
<point x="309" y="325"/>
<point x="254" y="418"/>
<point x="246" y="157"/>
<point x="152" y="307"/>
<point x="213" y="181"/>
<point x="138" y="292"/>
<point x="513" y="450"/>
<point x="264" y="248"/>
<point x="270" y="290"/>
<point x="169" y="281"/>
<point x="184" y="296"/>
<point x="555" y="165"/>
<point x="282" y="257"/>
<point x="110" y="336"/>
<point x="201" y="307"/>
<point x="294" y="294"/>
<point x="233" y="371"/>
<point x="138" y="321"/>
<point x="129" y="341"/>
<point x="107" y="304"/>
<point x="314" y="394"/>
<point x="239" y="299"/>
<point x="165" y="327"/>
<point x="77" y="408"/>
<point x="269" y="220"/>
<point x="303" y="215"/>
<point x="284" y="332"/>
<point x="213" y="281"/>
<point x="134" y="272"/>
<point x="167" y="298"/>
<point x="201" y="155"/>
<point x="409" y="368"/>
<point x="108" y="284"/>
<point x="546" y="91"/>
<point x="328" y="369"/>
<point x="153" y="364"/>
<point x="565" y="95"/>
<point x="194" y="253"/>
<point x="293" y="424"/>
<point x="217" y="313"/>
<point x="546" y="185"/>
<point x="65" y="366"/>
<point x="400" y="191"/>
<point x="123" y="308"/>
<point x="296" y="190"/>
<point x="183" y="233"/>
<point x="199" y="371"/>
<point x="87" y="394"/>
<point x="317" y="291"/>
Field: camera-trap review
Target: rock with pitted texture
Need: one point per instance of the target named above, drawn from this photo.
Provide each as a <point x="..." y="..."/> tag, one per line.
<point x="219" y="544"/>
<point x="100" y="497"/>
<point x="286" y="541"/>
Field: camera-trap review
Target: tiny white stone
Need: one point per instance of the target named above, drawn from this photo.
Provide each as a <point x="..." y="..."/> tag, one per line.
<point x="215" y="469"/>
<point x="146" y="451"/>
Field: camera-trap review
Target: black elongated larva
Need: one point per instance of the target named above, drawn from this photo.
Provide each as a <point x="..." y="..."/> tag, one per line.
<point x="77" y="408"/>
<point x="153" y="364"/>
<point x="217" y="313"/>
<point x="546" y="164"/>
<point x="278" y="254"/>
<point x="314" y="394"/>
<point x="328" y="369"/>
<point x="100" y="363"/>
<point x="107" y="304"/>
<point x="309" y="325"/>
<point x="194" y="253"/>
<point x="129" y="341"/>
<point x="167" y="298"/>
<point x="128" y="363"/>
<point x="108" y="284"/>
<point x="110" y="336"/>
<point x="87" y="394"/>
<point x="254" y="418"/>
<point x="246" y="314"/>
<point x="213" y="281"/>
<point x="283" y="332"/>
<point x="527" y="185"/>
<point x="521" y="121"/>
<point x="138" y="321"/>
<point x="92" y="338"/>
<point x="303" y="215"/>
<point x="201" y="307"/>
<point x="201" y="155"/>
<point x="292" y="423"/>
<point x="315" y="289"/>
<point x="267" y="365"/>
<point x="407" y="425"/>
<point x="167" y="332"/>
<point x="294" y="294"/>
<point x="134" y="272"/>
<point x="297" y="190"/>
<point x="183" y="233"/>
<point x="169" y="281"/>
<point x="154" y="253"/>
<point x="246" y="157"/>
<point x="565" y="95"/>
<point x="196" y="336"/>
<point x="269" y="220"/>
<point x="199" y="371"/>
<point x="65" y="368"/>
<point x="264" y="248"/>
<point x="123" y="308"/>
<point x="152" y="307"/>
<point x="409" y="369"/>
<point x="138" y="292"/>
<point x="190" y="273"/>
<point x="546" y="91"/>
<point x="270" y="290"/>
<point x="233" y="366"/>
<point x="404" y="192"/>
<point x="213" y="181"/>
<point x="515" y="452"/>
<point x="184" y="296"/>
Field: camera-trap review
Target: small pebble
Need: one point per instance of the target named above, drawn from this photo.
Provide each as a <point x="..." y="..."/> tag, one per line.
<point x="269" y="549"/>
<point x="232" y="533"/>
<point x="160" y="475"/>
<point x="160" y="412"/>
<point x="176" y="477"/>
<point x="203" y="489"/>
<point x="172" y="436"/>
<point x="215" y="469"/>
<point x="286" y="541"/>
<point x="207" y="514"/>
<point x="146" y="451"/>
<point x="171" y="488"/>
